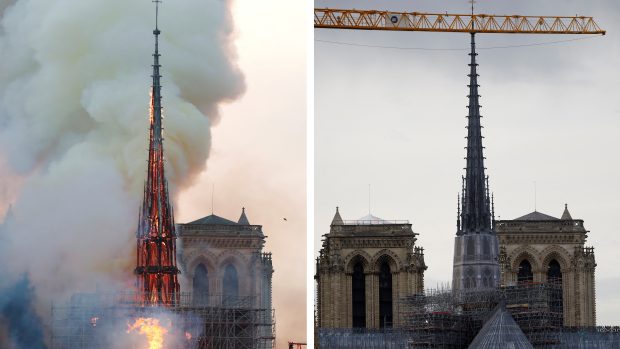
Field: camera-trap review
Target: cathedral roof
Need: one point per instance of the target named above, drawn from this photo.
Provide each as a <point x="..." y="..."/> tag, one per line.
<point x="500" y="331"/>
<point x="214" y="220"/>
<point x="536" y="216"/>
<point x="370" y="219"/>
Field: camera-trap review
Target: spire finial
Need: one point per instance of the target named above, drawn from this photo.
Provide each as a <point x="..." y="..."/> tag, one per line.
<point x="472" y="2"/>
<point x="493" y="209"/>
<point x="458" y="212"/>
<point x="157" y="2"/>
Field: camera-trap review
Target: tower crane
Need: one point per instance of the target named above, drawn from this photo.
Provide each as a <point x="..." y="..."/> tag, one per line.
<point x="445" y="22"/>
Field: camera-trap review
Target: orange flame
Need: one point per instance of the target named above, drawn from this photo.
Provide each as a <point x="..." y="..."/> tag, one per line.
<point x="151" y="328"/>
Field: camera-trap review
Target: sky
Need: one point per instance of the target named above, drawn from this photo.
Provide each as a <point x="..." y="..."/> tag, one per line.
<point x="258" y="152"/>
<point x="394" y="119"/>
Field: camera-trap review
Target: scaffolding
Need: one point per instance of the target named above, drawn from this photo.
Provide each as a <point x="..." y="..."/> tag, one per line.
<point x="443" y="318"/>
<point x="450" y="319"/>
<point x="353" y="338"/>
<point x="600" y="337"/>
<point x="98" y="321"/>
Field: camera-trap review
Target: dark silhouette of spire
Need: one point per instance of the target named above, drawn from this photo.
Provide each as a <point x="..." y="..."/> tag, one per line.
<point x="156" y="268"/>
<point x="475" y="203"/>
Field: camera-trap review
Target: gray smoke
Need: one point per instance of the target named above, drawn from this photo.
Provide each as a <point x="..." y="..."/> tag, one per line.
<point x="74" y="97"/>
<point x="24" y="326"/>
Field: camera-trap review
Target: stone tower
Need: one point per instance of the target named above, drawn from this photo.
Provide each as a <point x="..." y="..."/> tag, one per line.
<point x="538" y="248"/>
<point x="365" y="267"/>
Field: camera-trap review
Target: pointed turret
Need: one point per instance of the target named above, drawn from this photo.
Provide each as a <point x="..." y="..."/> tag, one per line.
<point x="566" y="215"/>
<point x="475" y="206"/>
<point x="337" y="219"/>
<point x="243" y="219"/>
<point x="156" y="269"/>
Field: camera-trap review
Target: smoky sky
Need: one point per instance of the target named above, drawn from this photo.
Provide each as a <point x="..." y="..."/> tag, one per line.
<point x="395" y="119"/>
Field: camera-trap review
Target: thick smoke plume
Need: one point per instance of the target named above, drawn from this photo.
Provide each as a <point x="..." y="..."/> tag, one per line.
<point x="74" y="98"/>
<point x="23" y="325"/>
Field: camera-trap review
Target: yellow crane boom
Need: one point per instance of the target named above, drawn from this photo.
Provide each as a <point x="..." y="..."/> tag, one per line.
<point x="444" y="22"/>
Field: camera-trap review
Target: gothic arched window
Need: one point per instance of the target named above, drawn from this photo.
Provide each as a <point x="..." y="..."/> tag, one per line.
<point x="525" y="272"/>
<point x="385" y="295"/>
<point x="470" y="280"/>
<point x="358" y="295"/>
<point x="200" y="285"/>
<point x="230" y="286"/>
<point x="487" y="279"/>
<point x="554" y="276"/>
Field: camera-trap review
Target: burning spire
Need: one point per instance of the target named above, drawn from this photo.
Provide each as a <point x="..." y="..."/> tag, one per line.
<point x="156" y="268"/>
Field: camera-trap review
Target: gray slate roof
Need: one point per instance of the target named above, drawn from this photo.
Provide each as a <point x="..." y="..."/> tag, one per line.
<point x="214" y="220"/>
<point x="536" y="216"/>
<point x="500" y="331"/>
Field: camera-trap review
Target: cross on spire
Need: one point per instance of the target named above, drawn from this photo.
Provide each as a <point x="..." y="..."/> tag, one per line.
<point x="157" y="2"/>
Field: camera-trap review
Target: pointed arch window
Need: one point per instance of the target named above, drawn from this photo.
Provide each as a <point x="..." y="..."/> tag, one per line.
<point x="385" y="295"/>
<point x="470" y="280"/>
<point x="230" y="285"/>
<point x="554" y="272"/>
<point x="358" y="295"/>
<point x="525" y="274"/>
<point x="487" y="278"/>
<point x="554" y="276"/>
<point x="200" y="284"/>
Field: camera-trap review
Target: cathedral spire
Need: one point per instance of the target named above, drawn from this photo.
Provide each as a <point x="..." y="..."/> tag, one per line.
<point x="156" y="268"/>
<point x="476" y="246"/>
<point x="475" y="208"/>
<point x="156" y="123"/>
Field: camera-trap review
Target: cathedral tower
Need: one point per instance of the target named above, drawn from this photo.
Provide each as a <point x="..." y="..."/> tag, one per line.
<point x="476" y="246"/>
<point x="156" y="268"/>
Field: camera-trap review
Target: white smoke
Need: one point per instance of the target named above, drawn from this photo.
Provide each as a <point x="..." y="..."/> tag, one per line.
<point x="74" y="97"/>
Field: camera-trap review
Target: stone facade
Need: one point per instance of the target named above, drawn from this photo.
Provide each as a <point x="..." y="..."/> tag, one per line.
<point x="535" y="246"/>
<point x="365" y="266"/>
<point x="221" y="259"/>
